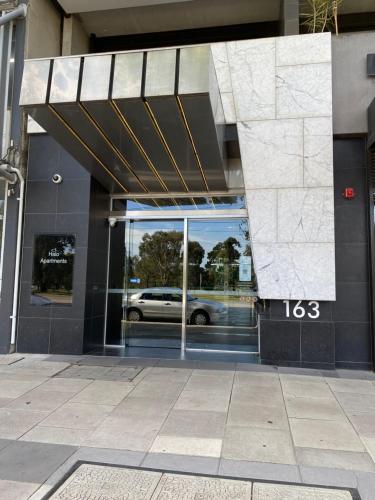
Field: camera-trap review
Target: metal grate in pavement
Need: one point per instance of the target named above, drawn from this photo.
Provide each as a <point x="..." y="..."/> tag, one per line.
<point x="93" y="482"/>
<point x="111" y="373"/>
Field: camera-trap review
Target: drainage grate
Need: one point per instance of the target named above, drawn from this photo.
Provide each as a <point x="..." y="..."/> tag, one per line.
<point x="111" y="373"/>
<point x="92" y="482"/>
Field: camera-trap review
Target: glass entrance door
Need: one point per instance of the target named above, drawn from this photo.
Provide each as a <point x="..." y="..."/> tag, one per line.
<point x="148" y="277"/>
<point x="221" y="286"/>
<point x="152" y="300"/>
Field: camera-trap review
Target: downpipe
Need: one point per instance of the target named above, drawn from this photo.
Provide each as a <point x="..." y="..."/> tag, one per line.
<point x="20" y="11"/>
<point x="17" y="268"/>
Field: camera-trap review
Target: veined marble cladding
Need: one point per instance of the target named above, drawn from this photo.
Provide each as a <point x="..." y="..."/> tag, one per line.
<point x="279" y="92"/>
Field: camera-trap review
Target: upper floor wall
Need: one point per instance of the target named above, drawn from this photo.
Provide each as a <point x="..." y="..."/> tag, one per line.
<point x="353" y="90"/>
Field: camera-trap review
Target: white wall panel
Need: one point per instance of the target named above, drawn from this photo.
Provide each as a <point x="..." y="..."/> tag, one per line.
<point x="282" y="95"/>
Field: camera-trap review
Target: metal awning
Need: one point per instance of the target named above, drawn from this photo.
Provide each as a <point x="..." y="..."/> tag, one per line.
<point x="139" y="122"/>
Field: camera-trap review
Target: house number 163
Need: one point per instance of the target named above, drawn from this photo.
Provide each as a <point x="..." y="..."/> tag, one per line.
<point x="299" y="311"/>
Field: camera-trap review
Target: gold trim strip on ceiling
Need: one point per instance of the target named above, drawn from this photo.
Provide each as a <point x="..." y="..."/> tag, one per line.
<point x="114" y="148"/>
<point x="88" y="149"/>
<point x="164" y="142"/>
<point x="136" y="141"/>
<point x="184" y="119"/>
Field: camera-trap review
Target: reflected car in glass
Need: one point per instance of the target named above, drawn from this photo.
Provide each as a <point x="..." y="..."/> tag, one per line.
<point x="166" y="304"/>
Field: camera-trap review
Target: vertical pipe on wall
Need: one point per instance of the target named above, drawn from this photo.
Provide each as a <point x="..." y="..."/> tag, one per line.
<point x="184" y="288"/>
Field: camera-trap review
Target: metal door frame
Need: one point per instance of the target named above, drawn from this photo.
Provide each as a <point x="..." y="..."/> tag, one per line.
<point x="184" y="216"/>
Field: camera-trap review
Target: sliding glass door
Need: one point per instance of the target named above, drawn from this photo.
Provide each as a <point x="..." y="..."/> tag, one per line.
<point x="221" y="289"/>
<point x="156" y="298"/>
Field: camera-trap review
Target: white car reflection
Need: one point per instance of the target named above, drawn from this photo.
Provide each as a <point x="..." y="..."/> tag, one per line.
<point x="166" y="304"/>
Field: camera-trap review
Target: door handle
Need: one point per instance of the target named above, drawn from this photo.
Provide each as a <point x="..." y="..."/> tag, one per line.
<point x="140" y="302"/>
<point x="167" y="304"/>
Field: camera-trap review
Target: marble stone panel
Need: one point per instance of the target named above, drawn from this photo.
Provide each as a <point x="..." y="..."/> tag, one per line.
<point x="272" y="153"/>
<point x="303" y="49"/>
<point x="295" y="271"/>
<point x="262" y="208"/>
<point x="318" y="152"/>
<point x="221" y="63"/>
<point x="228" y="107"/>
<point x="304" y="91"/>
<point x="252" y="67"/>
<point x="305" y="215"/>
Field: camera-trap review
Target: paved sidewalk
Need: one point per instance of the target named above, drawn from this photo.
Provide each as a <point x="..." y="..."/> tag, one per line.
<point x="244" y="421"/>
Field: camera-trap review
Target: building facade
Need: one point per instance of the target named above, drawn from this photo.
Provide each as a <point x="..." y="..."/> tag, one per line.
<point x="202" y="187"/>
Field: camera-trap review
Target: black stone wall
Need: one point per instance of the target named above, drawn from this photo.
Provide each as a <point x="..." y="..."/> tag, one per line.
<point x="78" y="206"/>
<point x="341" y="336"/>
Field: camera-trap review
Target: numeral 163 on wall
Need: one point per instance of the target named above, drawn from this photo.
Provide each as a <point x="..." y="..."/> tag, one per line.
<point x="299" y="311"/>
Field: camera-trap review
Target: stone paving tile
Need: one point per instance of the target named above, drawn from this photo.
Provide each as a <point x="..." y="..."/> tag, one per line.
<point x="250" y="414"/>
<point x="40" y="400"/>
<point x="256" y="379"/>
<point x="326" y="434"/>
<point x="181" y="463"/>
<point x="356" y="404"/>
<point x="16" y="388"/>
<point x="290" y="370"/>
<point x="259" y="470"/>
<point x="356" y="374"/>
<point x="57" y="435"/>
<point x="203" y="400"/>
<point x="317" y="408"/>
<point x="14" y="422"/>
<point x="72" y="385"/>
<point x="263" y="396"/>
<point x="135" y="434"/>
<point x="78" y="416"/>
<point x="364" y="424"/>
<point x="95" y="481"/>
<point x="305" y="378"/>
<point x="348" y="460"/>
<point x="190" y="423"/>
<point x="289" y="492"/>
<point x="5" y="401"/>
<point x="302" y="389"/>
<point x="115" y="457"/>
<point x="16" y="490"/>
<point x="9" y="359"/>
<point x="209" y="383"/>
<point x="103" y="392"/>
<point x="353" y="386"/>
<point x="328" y="476"/>
<point x="143" y="407"/>
<point x="258" y="445"/>
<point x="32" y="462"/>
<point x="370" y="445"/>
<point x="204" y="447"/>
<point x="366" y="485"/>
<point x="168" y="391"/>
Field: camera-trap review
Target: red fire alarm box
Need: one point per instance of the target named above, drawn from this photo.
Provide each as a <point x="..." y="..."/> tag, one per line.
<point x="348" y="193"/>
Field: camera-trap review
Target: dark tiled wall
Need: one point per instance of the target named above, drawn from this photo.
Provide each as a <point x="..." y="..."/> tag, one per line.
<point x="75" y="206"/>
<point x="341" y="336"/>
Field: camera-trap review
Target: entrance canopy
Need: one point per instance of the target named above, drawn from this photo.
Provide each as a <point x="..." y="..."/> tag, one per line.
<point x="139" y="122"/>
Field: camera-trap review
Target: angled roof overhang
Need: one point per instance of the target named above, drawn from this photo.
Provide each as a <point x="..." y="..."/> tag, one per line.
<point x="138" y="122"/>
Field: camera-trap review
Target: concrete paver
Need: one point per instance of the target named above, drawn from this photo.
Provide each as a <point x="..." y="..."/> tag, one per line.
<point x="327" y="434"/>
<point x="255" y="444"/>
<point x="11" y="490"/>
<point x="256" y="422"/>
<point x="78" y="416"/>
<point x="317" y="408"/>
